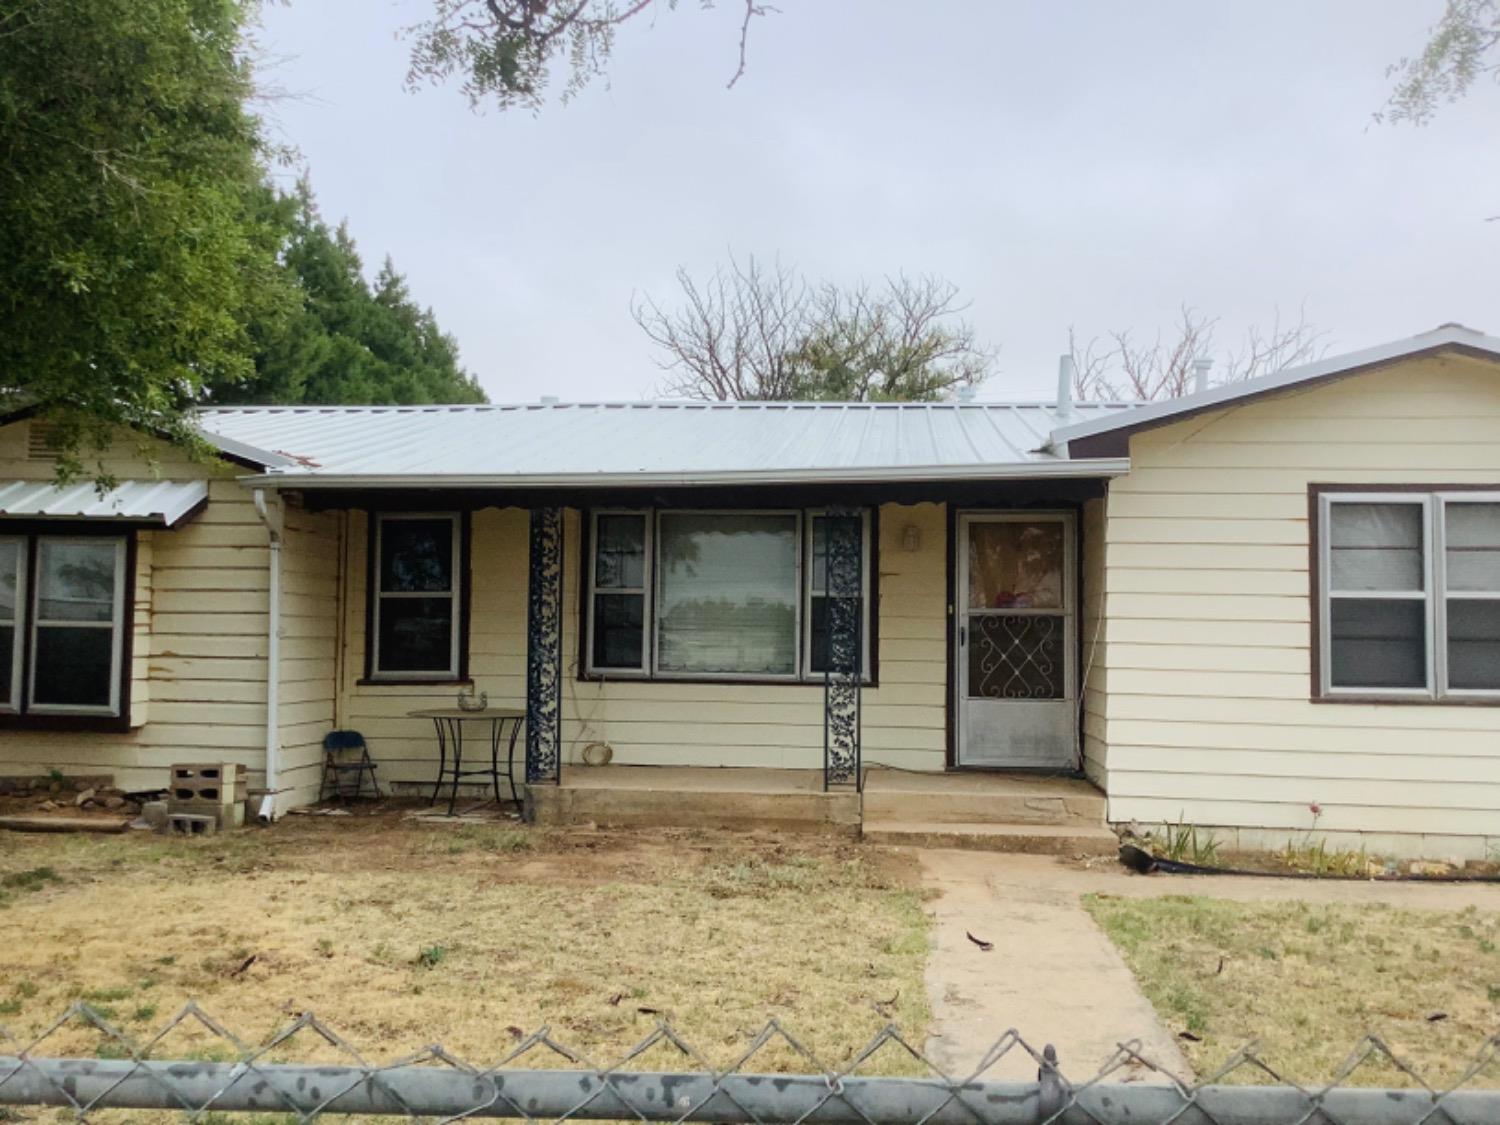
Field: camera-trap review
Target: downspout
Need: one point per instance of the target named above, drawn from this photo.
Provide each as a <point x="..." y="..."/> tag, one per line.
<point x="267" y="811"/>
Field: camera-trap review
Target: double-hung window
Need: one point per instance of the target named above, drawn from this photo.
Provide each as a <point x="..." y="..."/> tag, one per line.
<point x="416" y="610"/>
<point x="719" y="595"/>
<point x="63" y="611"/>
<point x="1409" y="598"/>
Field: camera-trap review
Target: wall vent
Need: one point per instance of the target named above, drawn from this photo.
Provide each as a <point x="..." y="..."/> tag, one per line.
<point x="41" y="441"/>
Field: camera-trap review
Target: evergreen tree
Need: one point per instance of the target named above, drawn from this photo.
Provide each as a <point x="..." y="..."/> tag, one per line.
<point x="346" y="341"/>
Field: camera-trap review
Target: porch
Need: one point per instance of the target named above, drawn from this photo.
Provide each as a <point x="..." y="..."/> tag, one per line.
<point x="1060" y="815"/>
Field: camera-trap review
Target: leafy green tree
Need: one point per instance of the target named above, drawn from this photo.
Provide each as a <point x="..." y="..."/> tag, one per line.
<point x="344" y="341"/>
<point x="755" y="332"/>
<point x="1461" y="49"/>
<point x="503" y="51"/>
<point x="134" y="253"/>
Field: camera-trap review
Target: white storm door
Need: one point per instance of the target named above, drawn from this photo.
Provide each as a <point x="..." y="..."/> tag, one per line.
<point x="1016" y="672"/>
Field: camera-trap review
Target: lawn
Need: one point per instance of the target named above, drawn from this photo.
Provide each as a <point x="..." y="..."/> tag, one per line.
<point x="1308" y="981"/>
<point x="401" y="935"/>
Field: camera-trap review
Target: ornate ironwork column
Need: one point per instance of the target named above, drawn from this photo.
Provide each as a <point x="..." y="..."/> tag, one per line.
<point x="844" y="671"/>
<point x="544" y="648"/>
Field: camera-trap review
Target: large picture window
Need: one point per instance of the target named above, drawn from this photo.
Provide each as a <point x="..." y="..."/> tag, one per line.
<point x="63" y="601"/>
<point x="1409" y="594"/>
<point x="416" y="596"/>
<point x="720" y="595"/>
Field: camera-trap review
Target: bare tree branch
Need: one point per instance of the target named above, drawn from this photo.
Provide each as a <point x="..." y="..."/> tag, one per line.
<point x="1120" y="368"/>
<point x="757" y="332"/>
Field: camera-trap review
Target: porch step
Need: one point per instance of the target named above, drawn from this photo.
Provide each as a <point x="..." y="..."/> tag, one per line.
<point x="1032" y="839"/>
<point x="982" y="799"/>
<point x="669" y="807"/>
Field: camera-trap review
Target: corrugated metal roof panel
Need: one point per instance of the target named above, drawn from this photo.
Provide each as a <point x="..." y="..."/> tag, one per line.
<point x="653" y="440"/>
<point x="135" y="501"/>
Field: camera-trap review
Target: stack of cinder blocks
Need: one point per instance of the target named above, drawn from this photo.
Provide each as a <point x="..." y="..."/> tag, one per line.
<point x="204" y="799"/>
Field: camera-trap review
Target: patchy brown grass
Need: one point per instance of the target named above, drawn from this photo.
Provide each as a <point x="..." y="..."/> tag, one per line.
<point x="1307" y="982"/>
<point x="400" y="935"/>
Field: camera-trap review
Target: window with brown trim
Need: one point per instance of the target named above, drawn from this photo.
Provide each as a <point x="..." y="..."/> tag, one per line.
<point x="727" y="594"/>
<point x="64" y="615"/>
<point x="418" y="563"/>
<point x="1409" y="595"/>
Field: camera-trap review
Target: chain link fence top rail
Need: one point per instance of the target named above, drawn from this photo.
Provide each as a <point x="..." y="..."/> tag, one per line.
<point x="539" y="1077"/>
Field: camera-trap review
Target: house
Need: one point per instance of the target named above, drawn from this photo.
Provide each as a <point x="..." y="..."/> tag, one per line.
<point x="1269" y="608"/>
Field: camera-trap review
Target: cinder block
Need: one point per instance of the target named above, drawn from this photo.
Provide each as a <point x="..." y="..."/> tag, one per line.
<point x="192" y="824"/>
<point x="216" y="786"/>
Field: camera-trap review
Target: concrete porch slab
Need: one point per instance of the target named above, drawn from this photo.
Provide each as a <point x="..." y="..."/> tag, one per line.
<point x="973" y="797"/>
<point x="695" y="797"/>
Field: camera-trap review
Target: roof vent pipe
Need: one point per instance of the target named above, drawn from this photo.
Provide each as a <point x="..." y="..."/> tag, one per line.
<point x="1201" y="367"/>
<point x="1065" y="373"/>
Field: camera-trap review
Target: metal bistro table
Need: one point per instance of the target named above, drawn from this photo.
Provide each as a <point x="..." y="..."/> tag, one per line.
<point x="449" y="723"/>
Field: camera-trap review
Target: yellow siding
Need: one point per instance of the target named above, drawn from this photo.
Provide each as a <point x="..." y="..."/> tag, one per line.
<point x="310" y="557"/>
<point x="198" y="640"/>
<point x="1207" y="669"/>
<point x="666" y="723"/>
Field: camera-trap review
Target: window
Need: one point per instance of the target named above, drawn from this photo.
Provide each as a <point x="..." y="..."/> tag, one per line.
<point x="63" y="605"/>
<point x="416" y="604"/>
<point x="620" y="577"/>
<point x="721" y="595"/>
<point x="1410" y="594"/>
<point x="817" y="591"/>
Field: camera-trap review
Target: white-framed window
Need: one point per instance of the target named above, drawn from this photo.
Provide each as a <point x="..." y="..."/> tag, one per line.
<point x="416" y="596"/>
<point x="13" y="556"/>
<point x="619" y="589"/>
<point x="735" y="594"/>
<point x="63" y="615"/>
<point x="1409" y="594"/>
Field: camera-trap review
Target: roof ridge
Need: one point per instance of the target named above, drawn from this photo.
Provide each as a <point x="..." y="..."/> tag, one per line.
<point x="644" y="404"/>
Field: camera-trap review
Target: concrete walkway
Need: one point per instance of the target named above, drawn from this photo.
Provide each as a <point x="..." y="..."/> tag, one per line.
<point x="1055" y="977"/>
<point x="1052" y="974"/>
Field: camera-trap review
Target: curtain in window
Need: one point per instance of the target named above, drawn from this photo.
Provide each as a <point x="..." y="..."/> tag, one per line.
<point x="727" y="594"/>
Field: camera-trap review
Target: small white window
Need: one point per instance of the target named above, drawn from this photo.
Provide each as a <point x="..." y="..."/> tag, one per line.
<point x="618" y="583"/>
<point x="77" y="634"/>
<point x="415" y="628"/>
<point x="1410" y="594"/>
<point x="12" y="607"/>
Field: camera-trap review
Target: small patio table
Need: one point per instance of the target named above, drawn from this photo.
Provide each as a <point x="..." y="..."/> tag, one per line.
<point x="449" y="724"/>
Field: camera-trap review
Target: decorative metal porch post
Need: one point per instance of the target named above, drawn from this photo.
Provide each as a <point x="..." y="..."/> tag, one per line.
<point x="544" y="648"/>
<point x="844" y="671"/>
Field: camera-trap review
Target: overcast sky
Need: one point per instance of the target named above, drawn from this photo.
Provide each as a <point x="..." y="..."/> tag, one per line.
<point x="1087" y="164"/>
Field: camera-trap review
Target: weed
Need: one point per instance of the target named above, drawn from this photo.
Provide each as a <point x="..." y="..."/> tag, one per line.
<point x="107" y="995"/>
<point x="26" y="989"/>
<point x="1182" y="843"/>
<point x="145" y="1013"/>
<point x="432" y="956"/>
<point x="325" y="946"/>
<point x="10" y="1007"/>
<point x="33" y="880"/>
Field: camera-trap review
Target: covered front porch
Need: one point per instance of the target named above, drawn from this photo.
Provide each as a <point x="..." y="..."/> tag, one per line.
<point x="630" y="625"/>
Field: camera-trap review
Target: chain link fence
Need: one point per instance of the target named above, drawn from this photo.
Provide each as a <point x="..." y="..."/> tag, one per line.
<point x="539" y="1077"/>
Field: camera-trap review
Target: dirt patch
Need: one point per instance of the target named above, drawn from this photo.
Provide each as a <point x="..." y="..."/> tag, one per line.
<point x="401" y="934"/>
<point x="1309" y="980"/>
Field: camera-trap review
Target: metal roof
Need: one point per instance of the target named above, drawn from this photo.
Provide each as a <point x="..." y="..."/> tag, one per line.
<point x="647" y="443"/>
<point x="133" y="501"/>
<point x="1446" y="338"/>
